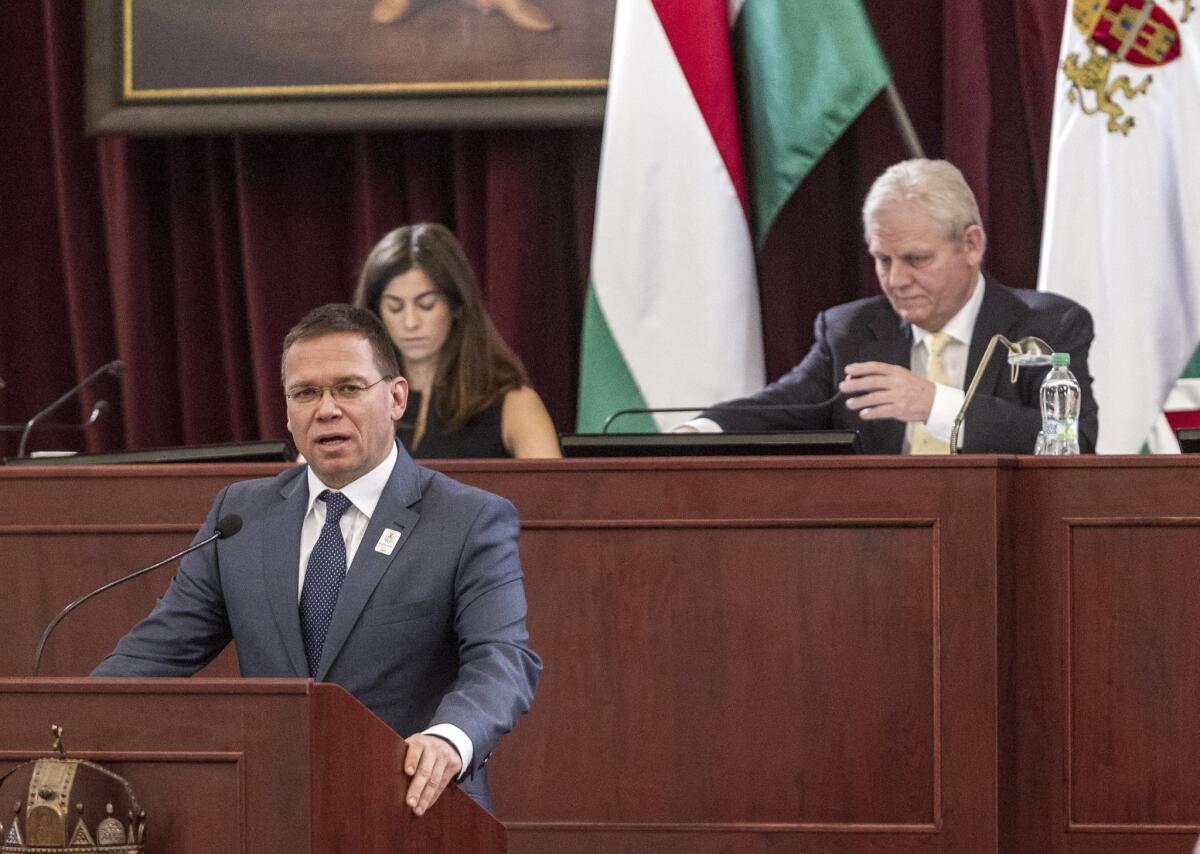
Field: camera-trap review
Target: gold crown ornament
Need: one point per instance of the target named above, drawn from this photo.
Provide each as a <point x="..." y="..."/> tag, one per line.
<point x="69" y="805"/>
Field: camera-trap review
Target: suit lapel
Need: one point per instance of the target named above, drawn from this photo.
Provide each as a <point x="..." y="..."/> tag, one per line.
<point x="394" y="511"/>
<point x="281" y="567"/>
<point x="998" y="314"/>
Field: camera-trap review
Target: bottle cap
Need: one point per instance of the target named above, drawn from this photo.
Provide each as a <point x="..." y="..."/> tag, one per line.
<point x="1060" y="359"/>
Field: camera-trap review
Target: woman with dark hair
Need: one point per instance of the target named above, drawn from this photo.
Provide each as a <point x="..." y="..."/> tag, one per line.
<point x="469" y="393"/>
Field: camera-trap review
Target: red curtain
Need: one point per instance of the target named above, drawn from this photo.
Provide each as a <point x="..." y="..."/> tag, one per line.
<point x="189" y="258"/>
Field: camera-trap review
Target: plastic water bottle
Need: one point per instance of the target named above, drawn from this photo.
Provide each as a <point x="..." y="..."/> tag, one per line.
<point x="1060" y="409"/>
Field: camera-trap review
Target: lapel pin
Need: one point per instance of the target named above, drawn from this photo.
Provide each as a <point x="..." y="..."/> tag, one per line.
<point x="387" y="541"/>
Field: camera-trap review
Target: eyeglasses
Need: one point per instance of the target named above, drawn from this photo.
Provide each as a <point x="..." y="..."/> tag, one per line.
<point x="341" y="393"/>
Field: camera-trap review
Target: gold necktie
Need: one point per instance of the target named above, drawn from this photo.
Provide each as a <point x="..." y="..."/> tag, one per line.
<point x="935" y="371"/>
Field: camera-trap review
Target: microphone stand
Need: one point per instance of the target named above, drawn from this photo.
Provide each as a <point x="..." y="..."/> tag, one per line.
<point x="116" y="368"/>
<point x="98" y="411"/>
<point x="227" y="527"/>
<point x="1027" y="352"/>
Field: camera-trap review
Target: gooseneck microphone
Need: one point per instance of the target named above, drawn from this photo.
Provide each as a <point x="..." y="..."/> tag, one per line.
<point x="227" y="527"/>
<point x="738" y="407"/>
<point x="115" y="368"/>
<point x="98" y="411"/>
<point x="101" y="409"/>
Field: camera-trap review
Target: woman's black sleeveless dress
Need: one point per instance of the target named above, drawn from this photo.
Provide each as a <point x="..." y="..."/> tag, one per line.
<point x="479" y="437"/>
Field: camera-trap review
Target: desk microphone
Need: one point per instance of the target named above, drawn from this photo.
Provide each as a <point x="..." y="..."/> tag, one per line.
<point x="227" y="527"/>
<point x="98" y="411"/>
<point x="740" y="407"/>
<point x="116" y="368"/>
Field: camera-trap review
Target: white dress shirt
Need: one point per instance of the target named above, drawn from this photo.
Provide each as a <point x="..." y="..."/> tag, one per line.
<point x="946" y="399"/>
<point x="363" y="495"/>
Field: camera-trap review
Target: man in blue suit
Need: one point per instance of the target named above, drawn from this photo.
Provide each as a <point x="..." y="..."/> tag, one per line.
<point x="361" y="568"/>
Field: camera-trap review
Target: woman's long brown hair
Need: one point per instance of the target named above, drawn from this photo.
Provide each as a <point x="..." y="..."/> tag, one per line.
<point x="475" y="367"/>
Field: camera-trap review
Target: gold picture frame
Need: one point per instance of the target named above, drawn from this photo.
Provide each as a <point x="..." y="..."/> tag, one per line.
<point x="178" y="66"/>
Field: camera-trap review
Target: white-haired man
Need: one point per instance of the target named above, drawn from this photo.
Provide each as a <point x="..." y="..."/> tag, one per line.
<point x="900" y="361"/>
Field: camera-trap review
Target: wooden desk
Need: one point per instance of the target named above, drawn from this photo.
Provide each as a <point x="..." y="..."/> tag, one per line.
<point x="804" y="655"/>
<point x="1102" y="670"/>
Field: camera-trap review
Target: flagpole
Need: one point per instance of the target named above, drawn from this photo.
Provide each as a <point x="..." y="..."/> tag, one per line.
<point x="903" y="123"/>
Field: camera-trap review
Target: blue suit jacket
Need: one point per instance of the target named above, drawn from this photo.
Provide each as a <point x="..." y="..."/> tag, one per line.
<point x="433" y="633"/>
<point x="1003" y="418"/>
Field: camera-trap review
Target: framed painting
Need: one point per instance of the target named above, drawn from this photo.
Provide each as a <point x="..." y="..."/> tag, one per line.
<point x="219" y="66"/>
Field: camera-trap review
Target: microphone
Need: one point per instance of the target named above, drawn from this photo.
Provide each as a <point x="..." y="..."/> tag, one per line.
<point x="226" y="527"/>
<point x="116" y="368"/>
<point x="756" y="407"/>
<point x="98" y="411"/>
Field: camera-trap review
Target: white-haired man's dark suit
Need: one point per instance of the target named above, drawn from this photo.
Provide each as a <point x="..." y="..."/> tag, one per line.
<point x="1003" y="418"/>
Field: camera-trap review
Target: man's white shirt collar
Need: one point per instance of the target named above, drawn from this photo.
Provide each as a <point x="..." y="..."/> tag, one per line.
<point x="363" y="493"/>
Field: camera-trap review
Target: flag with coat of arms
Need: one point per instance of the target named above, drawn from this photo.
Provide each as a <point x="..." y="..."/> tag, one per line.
<point x="1122" y="219"/>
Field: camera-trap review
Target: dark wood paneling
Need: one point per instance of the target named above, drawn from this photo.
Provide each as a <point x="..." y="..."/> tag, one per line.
<point x="768" y="646"/>
<point x="64" y="533"/>
<point x="767" y="643"/>
<point x="1134" y="677"/>
<point x="166" y="787"/>
<point x="834" y="601"/>
<point x="1103" y="683"/>
<point x="779" y="655"/>
<point x="174" y="749"/>
<point x="260" y="766"/>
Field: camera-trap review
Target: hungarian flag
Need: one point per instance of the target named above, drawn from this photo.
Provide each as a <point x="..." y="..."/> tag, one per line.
<point x="1181" y="411"/>
<point x="1122" y="224"/>
<point x="672" y="315"/>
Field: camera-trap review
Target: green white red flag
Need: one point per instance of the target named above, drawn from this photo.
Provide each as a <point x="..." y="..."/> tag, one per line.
<point x="672" y="317"/>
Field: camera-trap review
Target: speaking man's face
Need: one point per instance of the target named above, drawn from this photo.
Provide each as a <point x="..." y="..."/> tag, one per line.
<point x="926" y="276"/>
<point x="350" y="426"/>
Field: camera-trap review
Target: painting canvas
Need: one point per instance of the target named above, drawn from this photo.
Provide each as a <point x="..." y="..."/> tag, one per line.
<point x="417" y="62"/>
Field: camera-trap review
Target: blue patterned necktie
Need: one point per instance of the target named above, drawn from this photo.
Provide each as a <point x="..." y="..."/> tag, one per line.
<point x="323" y="579"/>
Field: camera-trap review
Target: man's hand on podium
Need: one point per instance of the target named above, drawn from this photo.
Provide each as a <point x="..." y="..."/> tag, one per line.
<point x="433" y="764"/>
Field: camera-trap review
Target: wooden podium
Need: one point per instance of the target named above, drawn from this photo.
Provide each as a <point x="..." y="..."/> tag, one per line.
<point x="271" y="766"/>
